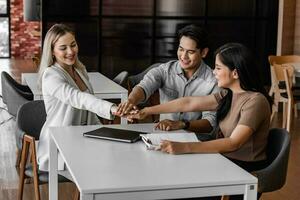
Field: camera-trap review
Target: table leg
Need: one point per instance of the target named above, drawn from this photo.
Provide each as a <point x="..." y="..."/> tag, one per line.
<point x="53" y="177"/>
<point x="124" y="98"/>
<point x="250" y="192"/>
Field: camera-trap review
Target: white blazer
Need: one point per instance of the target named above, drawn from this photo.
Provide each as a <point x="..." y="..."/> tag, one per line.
<point x="65" y="103"/>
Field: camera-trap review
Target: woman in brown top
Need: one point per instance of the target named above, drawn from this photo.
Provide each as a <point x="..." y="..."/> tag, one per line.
<point x="243" y="111"/>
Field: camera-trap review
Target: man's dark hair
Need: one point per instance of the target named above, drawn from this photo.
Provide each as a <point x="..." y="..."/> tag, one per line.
<point x="196" y="33"/>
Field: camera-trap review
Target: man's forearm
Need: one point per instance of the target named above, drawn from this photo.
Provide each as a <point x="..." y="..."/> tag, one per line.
<point x="200" y="126"/>
<point x="136" y="96"/>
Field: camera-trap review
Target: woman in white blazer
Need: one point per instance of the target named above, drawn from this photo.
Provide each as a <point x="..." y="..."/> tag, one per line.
<point x="67" y="92"/>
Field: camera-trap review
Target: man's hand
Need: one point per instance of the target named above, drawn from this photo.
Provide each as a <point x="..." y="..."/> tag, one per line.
<point x="169" y="125"/>
<point x="125" y="108"/>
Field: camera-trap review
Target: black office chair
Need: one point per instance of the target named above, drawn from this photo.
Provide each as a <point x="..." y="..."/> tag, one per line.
<point x="273" y="176"/>
<point x="14" y="96"/>
<point x="121" y="78"/>
<point x="135" y="79"/>
<point x="30" y="119"/>
<point x="154" y="98"/>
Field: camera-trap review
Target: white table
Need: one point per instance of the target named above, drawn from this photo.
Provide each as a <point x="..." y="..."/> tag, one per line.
<point x="103" y="169"/>
<point x="103" y="87"/>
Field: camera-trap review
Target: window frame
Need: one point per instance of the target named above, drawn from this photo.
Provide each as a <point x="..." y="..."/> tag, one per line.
<point x="7" y="15"/>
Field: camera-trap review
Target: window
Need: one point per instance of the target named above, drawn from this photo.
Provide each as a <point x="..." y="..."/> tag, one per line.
<point x="4" y="29"/>
<point x="131" y="35"/>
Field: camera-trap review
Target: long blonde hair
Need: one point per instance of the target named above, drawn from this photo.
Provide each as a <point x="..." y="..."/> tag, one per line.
<point x="47" y="60"/>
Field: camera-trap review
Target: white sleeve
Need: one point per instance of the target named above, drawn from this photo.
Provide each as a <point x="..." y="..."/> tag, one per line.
<point x="55" y="85"/>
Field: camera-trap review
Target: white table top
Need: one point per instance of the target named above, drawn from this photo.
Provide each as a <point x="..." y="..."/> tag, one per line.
<point x="101" y="84"/>
<point x="102" y="166"/>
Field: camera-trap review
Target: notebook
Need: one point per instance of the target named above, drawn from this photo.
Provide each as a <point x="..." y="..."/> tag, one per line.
<point x="114" y="134"/>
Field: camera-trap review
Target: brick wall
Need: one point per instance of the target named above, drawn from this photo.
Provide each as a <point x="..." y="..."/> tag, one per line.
<point x="25" y="38"/>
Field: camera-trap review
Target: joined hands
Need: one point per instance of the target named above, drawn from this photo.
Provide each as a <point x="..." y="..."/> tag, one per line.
<point x="130" y="111"/>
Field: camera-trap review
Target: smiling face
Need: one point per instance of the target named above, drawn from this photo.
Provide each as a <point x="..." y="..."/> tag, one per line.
<point x="225" y="77"/>
<point x="189" y="55"/>
<point x="65" y="50"/>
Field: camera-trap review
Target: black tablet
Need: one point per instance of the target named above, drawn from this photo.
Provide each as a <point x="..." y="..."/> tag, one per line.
<point x="114" y="134"/>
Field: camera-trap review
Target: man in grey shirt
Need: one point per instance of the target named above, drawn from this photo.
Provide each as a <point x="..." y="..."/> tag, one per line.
<point x="187" y="76"/>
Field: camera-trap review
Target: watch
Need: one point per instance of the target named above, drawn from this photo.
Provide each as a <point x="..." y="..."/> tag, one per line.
<point x="186" y="124"/>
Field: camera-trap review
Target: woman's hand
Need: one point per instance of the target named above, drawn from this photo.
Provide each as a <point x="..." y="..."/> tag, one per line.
<point x="174" y="147"/>
<point x="137" y="114"/>
<point x="125" y="108"/>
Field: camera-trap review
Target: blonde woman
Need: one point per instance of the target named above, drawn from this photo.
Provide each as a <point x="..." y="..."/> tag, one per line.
<point x="67" y="92"/>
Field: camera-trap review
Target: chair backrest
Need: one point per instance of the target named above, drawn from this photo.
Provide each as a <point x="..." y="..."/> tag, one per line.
<point x="154" y="98"/>
<point x="284" y="72"/>
<point x="284" y="59"/>
<point x="273" y="176"/>
<point x="14" y="94"/>
<point x="31" y="118"/>
<point x="288" y="59"/>
<point x="135" y="79"/>
<point x="121" y="78"/>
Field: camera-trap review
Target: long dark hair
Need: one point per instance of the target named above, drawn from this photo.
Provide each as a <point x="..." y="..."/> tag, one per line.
<point x="237" y="56"/>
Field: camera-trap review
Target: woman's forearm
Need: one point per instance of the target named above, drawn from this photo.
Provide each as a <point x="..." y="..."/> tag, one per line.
<point x="185" y="104"/>
<point x="222" y="145"/>
<point x="177" y="105"/>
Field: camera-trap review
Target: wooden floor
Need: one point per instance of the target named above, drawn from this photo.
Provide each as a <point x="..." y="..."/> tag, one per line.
<point x="9" y="176"/>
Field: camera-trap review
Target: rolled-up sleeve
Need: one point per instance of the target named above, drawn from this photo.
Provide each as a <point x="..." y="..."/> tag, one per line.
<point x="211" y="116"/>
<point x="152" y="81"/>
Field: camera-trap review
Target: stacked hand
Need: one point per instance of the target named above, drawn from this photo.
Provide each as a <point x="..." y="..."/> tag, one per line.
<point x="125" y="108"/>
<point x="130" y="111"/>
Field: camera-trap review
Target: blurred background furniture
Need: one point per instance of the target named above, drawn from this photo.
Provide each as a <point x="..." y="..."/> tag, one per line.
<point x="30" y="119"/>
<point x="288" y="96"/>
<point x="14" y="96"/>
<point x="283" y="86"/>
<point x="288" y="59"/>
<point x="154" y="98"/>
<point x="121" y="78"/>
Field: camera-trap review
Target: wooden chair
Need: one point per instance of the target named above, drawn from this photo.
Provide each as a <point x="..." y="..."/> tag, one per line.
<point x="30" y="119"/>
<point x="285" y="74"/>
<point x="288" y="59"/>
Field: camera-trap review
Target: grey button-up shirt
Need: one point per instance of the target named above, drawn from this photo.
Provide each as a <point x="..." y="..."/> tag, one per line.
<point x="172" y="84"/>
